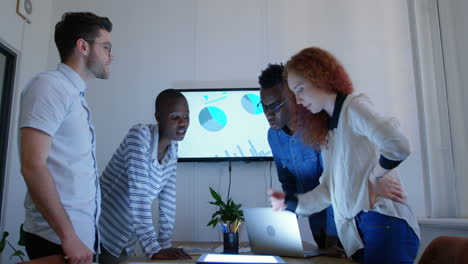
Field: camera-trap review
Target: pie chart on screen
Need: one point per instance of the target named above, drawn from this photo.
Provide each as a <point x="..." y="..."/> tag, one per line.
<point x="250" y="103"/>
<point x="212" y="118"/>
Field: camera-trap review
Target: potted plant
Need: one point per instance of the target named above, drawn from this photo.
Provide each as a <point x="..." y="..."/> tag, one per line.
<point x="16" y="252"/>
<point x="228" y="217"/>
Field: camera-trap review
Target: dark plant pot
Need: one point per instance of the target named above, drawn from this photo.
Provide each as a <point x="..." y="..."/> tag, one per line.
<point x="231" y="243"/>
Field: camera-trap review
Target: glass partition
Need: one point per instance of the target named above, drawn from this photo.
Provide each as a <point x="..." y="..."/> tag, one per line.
<point x="7" y="77"/>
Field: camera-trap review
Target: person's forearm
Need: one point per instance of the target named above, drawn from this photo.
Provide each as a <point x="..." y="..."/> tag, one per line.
<point x="167" y="212"/>
<point x="44" y="195"/>
<point x="144" y="227"/>
<point x="313" y="201"/>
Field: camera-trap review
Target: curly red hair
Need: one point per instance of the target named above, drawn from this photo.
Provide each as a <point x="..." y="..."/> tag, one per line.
<point x="325" y="72"/>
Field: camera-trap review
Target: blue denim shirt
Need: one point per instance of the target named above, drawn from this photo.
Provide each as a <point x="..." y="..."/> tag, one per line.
<point x="299" y="168"/>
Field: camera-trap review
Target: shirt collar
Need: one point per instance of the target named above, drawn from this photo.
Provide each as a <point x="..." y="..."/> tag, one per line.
<point x="73" y="76"/>
<point x="286" y="131"/>
<point x="154" y="142"/>
<point x="154" y="145"/>
<point x="333" y="123"/>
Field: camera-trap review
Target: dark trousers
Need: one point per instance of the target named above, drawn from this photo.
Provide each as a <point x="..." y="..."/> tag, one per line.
<point x="323" y="229"/>
<point x="38" y="247"/>
<point x="386" y="239"/>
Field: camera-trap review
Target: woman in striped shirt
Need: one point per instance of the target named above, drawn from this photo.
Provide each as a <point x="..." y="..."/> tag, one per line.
<point x="142" y="169"/>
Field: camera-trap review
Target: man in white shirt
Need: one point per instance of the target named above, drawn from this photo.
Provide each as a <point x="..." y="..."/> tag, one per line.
<point x="58" y="147"/>
<point x="142" y="169"/>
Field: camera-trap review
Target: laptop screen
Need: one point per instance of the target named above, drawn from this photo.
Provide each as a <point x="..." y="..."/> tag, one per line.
<point x="273" y="233"/>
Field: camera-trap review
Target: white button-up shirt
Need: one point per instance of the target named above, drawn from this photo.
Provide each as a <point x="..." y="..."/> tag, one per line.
<point x="54" y="103"/>
<point x="360" y="140"/>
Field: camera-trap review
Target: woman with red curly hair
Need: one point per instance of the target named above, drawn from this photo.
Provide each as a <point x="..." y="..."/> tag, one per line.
<point x="360" y="148"/>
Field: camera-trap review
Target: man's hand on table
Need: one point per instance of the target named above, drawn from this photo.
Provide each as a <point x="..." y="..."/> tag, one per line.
<point x="171" y="253"/>
<point x="333" y="247"/>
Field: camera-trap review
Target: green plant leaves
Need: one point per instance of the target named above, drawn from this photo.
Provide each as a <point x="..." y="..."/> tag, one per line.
<point x="227" y="212"/>
<point x="18" y="253"/>
<point x="213" y="222"/>
<point x="3" y="241"/>
<point x="22" y="241"/>
<point x="216" y="196"/>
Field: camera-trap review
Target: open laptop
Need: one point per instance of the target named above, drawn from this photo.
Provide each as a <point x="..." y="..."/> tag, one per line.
<point x="275" y="233"/>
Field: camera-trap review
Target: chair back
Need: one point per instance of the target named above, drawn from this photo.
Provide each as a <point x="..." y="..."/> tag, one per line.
<point x="446" y="250"/>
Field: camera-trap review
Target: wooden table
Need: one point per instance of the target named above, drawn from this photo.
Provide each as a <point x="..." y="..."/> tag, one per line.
<point x="213" y="245"/>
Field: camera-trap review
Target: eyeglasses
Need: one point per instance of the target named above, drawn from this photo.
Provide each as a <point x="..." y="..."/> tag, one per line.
<point x="272" y="108"/>
<point x="106" y="45"/>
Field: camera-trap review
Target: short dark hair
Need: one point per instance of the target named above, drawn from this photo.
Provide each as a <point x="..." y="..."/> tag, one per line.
<point x="76" y="25"/>
<point x="271" y="76"/>
<point x="165" y="97"/>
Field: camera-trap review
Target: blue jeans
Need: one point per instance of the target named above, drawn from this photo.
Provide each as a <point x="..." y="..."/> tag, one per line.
<point x="386" y="239"/>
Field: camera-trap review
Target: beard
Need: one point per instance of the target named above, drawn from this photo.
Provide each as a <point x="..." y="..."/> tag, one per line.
<point x="97" y="67"/>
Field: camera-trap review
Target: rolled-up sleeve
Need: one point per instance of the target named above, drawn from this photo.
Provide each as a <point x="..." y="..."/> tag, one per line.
<point x="167" y="209"/>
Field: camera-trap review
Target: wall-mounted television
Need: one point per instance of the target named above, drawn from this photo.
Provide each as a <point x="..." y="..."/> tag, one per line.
<point x="225" y="125"/>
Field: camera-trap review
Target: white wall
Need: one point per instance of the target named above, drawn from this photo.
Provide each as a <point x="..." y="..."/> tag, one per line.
<point x="161" y="44"/>
<point x="32" y="42"/>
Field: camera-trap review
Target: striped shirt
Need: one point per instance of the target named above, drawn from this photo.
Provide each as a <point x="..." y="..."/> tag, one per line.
<point x="131" y="181"/>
